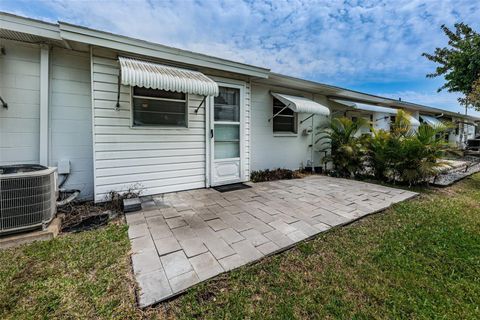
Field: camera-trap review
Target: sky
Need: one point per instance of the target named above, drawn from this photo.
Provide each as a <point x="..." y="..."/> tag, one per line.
<point x="369" y="46"/>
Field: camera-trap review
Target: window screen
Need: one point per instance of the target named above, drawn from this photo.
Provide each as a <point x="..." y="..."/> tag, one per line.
<point x="286" y="120"/>
<point x="159" y="108"/>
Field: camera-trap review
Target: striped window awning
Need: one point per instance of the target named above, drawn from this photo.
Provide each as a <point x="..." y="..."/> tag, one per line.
<point x="366" y="107"/>
<point x="431" y="121"/>
<point x="146" y="74"/>
<point x="301" y="104"/>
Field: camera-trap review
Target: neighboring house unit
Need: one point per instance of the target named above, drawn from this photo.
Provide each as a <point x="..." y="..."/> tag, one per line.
<point x="129" y="113"/>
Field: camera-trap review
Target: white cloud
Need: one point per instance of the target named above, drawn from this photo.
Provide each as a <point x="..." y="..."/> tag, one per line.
<point x="314" y="39"/>
<point x="340" y="42"/>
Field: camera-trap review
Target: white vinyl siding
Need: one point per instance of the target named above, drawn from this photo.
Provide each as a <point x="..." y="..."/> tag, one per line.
<point x="152" y="160"/>
<point x="20" y="88"/>
<point x="71" y="117"/>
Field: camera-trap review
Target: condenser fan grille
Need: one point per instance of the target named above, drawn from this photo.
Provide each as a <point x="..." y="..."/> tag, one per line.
<point x="26" y="201"/>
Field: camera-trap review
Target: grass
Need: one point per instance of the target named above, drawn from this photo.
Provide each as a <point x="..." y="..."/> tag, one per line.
<point x="418" y="260"/>
<point x="84" y="275"/>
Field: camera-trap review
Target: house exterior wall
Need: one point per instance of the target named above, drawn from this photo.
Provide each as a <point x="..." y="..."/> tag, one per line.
<point x="20" y="88"/>
<point x="470" y="131"/>
<point x="149" y="160"/>
<point x="271" y="150"/>
<point x="106" y="153"/>
<point x="70" y="110"/>
<point x="366" y="116"/>
<point x="381" y="121"/>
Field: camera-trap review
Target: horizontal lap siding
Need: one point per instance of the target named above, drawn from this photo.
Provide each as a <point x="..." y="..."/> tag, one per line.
<point x="71" y="117"/>
<point x="20" y="88"/>
<point x="153" y="160"/>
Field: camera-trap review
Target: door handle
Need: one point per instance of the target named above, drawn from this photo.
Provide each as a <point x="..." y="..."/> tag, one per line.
<point x="211" y="133"/>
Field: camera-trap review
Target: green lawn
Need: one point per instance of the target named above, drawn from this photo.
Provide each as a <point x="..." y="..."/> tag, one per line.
<point x="85" y="275"/>
<point x="418" y="260"/>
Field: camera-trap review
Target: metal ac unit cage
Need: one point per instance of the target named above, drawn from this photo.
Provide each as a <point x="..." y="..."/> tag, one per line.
<point x="28" y="196"/>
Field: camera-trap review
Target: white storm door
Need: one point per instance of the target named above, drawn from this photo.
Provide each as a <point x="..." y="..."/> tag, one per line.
<point x="226" y="127"/>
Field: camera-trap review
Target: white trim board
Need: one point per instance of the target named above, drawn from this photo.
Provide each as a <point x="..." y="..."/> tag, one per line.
<point x="44" y="101"/>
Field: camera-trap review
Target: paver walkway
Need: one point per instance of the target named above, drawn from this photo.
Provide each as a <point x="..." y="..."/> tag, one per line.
<point x="180" y="239"/>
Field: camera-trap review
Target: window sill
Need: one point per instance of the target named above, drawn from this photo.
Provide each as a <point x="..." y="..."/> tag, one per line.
<point x="285" y="134"/>
<point x="158" y="128"/>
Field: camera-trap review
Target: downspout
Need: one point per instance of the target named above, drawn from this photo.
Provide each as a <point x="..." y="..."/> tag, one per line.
<point x="44" y="93"/>
<point x="312" y="116"/>
<point x="92" y="122"/>
<point x="311" y="156"/>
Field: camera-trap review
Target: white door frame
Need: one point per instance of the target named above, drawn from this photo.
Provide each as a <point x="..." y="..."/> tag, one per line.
<point x="209" y="116"/>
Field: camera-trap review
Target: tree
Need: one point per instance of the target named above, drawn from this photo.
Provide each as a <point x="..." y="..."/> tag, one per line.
<point x="459" y="63"/>
<point x="473" y="97"/>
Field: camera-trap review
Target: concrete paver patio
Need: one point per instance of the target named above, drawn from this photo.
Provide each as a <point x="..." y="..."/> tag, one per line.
<point x="180" y="239"/>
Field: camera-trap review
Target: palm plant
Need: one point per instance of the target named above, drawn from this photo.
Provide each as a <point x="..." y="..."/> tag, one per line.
<point x="346" y="149"/>
<point x="419" y="156"/>
<point x="406" y="155"/>
<point x="402" y="126"/>
<point x="401" y="154"/>
<point x="379" y="154"/>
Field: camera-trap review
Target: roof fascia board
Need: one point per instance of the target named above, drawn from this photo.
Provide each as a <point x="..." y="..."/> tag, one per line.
<point x="334" y="92"/>
<point x="126" y="44"/>
<point x="29" y="26"/>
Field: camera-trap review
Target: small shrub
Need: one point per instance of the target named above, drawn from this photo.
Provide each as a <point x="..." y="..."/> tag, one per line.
<point x="405" y="155"/>
<point x="347" y="150"/>
<point x="115" y="199"/>
<point x="274" y="174"/>
<point x="399" y="155"/>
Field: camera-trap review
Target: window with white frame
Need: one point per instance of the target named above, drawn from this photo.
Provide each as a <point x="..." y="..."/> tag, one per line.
<point x="153" y="107"/>
<point x="285" y="120"/>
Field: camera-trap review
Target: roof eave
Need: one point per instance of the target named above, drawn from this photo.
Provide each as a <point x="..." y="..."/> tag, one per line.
<point x="29" y="26"/>
<point x="131" y="45"/>
<point x="335" y="92"/>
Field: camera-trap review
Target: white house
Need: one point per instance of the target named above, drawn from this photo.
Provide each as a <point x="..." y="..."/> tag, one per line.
<point x="123" y="112"/>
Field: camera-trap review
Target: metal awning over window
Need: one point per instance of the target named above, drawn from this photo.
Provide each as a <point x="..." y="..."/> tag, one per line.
<point x="146" y="74"/>
<point x="366" y="107"/>
<point x="301" y="104"/>
<point x="413" y="122"/>
<point x="431" y="121"/>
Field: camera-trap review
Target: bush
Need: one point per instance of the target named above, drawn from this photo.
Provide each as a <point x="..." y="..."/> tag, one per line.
<point x="406" y="155"/>
<point x="347" y="150"/>
<point x="401" y="155"/>
<point x="274" y="174"/>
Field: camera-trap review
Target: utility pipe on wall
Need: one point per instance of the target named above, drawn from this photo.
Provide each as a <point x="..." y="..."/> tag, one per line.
<point x="313" y="133"/>
<point x="44" y="93"/>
